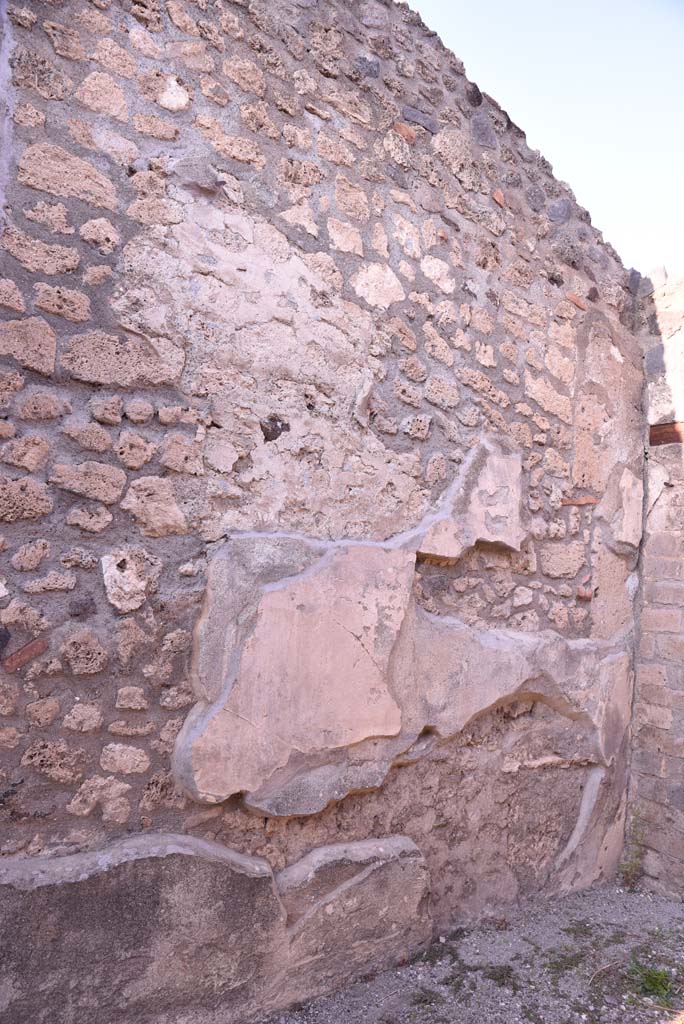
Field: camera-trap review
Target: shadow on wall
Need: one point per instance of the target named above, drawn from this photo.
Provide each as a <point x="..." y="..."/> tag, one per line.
<point x="655" y="847"/>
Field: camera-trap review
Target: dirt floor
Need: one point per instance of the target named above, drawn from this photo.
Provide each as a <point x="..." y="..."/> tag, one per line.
<point x="601" y="957"/>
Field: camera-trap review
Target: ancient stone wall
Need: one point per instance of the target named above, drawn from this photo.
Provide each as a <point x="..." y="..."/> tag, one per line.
<point x="656" y="846"/>
<point x="321" y="460"/>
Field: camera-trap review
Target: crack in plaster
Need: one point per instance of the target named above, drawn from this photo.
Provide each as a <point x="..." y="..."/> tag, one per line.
<point x="404" y="539"/>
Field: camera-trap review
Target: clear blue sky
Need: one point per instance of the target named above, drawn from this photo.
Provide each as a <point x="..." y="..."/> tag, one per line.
<point x="598" y="87"/>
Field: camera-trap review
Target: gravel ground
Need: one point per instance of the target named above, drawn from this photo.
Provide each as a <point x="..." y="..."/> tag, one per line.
<point x="601" y="957"/>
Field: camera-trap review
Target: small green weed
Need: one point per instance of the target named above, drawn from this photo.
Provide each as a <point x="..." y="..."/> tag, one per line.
<point x="502" y="975"/>
<point x="632" y="864"/>
<point x="426" y="997"/>
<point x="565" y="960"/>
<point x="651" y="981"/>
<point x="435" y="954"/>
<point x="579" y="930"/>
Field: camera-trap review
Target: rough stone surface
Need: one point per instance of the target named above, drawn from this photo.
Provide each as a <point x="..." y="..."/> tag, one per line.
<point x="37" y="256"/>
<point x="321" y="436"/>
<point x="32" y="343"/>
<point x="151" y="501"/>
<point x="95" y="480"/>
<point x="260" y="943"/>
<point x="23" y="499"/>
<point x="378" y="285"/>
<point x="129" y="575"/>
<point x="54" y="170"/>
<point x="99" y="358"/>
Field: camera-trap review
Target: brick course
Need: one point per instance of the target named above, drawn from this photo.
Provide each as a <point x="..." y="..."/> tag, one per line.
<point x="657" y="788"/>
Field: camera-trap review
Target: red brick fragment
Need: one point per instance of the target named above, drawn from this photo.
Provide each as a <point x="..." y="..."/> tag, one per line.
<point x="498" y="197"/>
<point x="666" y="433"/>
<point x="406" y="131"/>
<point x="576" y="301"/>
<point x="581" y="499"/>
<point x="25" y="654"/>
